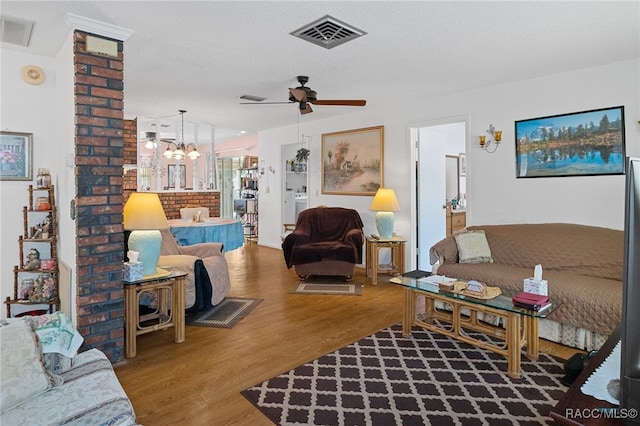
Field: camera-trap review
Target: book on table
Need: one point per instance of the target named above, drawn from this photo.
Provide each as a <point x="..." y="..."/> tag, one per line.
<point x="531" y="301"/>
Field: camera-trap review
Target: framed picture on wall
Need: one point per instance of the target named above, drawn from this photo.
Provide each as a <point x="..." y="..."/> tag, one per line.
<point x="578" y="144"/>
<point x="172" y="168"/>
<point x="15" y="156"/>
<point x="462" y="164"/>
<point x="352" y="161"/>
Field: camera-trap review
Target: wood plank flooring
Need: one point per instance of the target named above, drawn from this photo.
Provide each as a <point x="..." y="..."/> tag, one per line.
<point x="198" y="382"/>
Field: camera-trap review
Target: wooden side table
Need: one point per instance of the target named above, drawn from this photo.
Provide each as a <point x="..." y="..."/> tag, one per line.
<point x="373" y="245"/>
<point x="168" y="289"/>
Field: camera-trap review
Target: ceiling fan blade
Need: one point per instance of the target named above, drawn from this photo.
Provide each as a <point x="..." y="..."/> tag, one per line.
<point x="305" y="108"/>
<point x="343" y="102"/>
<point x="264" y="103"/>
<point x="299" y="94"/>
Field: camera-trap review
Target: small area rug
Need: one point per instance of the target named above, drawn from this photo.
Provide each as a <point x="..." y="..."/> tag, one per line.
<point x="346" y="289"/>
<point x="327" y="284"/>
<point x="225" y="314"/>
<point x="424" y="379"/>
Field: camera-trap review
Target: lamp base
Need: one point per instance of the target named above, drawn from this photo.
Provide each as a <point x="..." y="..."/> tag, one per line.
<point x="147" y="244"/>
<point x="384" y="223"/>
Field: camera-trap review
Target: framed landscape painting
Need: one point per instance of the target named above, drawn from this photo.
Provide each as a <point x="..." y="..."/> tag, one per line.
<point x="352" y="161"/>
<point x="584" y="143"/>
<point x="15" y="156"/>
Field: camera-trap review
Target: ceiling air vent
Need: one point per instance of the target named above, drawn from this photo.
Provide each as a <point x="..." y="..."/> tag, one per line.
<point x="16" y="30"/>
<point x="328" y="32"/>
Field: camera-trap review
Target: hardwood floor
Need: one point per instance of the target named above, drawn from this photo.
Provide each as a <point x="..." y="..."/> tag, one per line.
<point x="198" y="382"/>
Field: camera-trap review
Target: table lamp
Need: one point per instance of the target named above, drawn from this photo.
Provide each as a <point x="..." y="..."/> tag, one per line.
<point x="385" y="203"/>
<point x="144" y="216"/>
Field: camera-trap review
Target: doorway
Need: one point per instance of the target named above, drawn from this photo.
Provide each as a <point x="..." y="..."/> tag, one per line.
<point x="294" y="184"/>
<point x="434" y="142"/>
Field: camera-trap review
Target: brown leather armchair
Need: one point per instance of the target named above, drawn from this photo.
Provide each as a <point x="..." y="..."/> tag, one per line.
<point x="326" y="241"/>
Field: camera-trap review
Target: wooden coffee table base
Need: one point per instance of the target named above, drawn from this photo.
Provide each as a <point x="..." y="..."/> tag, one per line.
<point x="521" y="330"/>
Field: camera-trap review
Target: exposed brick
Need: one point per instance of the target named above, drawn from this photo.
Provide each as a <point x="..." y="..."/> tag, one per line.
<point x="90" y="159"/>
<point x="99" y="156"/>
<point x="98" y="61"/>
<point x="106" y="72"/>
<point x="102" y="131"/>
<point x="92" y="240"/>
<point x="91" y="121"/>
<point x="91" y="201"/>
<point x="106" y="93"/>
<point x="92" y="82"/>
<point x="91" y="100"/>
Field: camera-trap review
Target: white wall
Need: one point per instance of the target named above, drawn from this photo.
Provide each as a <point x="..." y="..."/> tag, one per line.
<point x="66" y="179"/>
<point x="495" y="195"/>
<point x="31" y="109"/>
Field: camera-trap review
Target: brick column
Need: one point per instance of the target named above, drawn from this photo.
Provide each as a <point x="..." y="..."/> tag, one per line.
<point x="99" y="232"/>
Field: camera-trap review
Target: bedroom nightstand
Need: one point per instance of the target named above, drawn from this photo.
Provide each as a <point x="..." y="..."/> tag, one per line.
<point x="168" y="289"/>
<point x="373" y="245"/>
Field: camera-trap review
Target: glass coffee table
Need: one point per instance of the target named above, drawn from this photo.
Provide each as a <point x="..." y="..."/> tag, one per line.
<point x="520" y="325"/>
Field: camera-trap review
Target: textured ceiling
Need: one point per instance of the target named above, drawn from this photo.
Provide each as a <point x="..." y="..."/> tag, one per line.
<point x="201" y="56"/>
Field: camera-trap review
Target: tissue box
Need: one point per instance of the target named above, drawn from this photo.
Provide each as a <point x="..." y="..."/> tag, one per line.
<point x="534" y="286"/>
<point x="132" y="271"/>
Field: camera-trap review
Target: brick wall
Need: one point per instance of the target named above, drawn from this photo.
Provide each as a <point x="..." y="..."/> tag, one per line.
<point x="99" y="199"/>
<point x="173" y="201"/>
<point x="130" y="177"/>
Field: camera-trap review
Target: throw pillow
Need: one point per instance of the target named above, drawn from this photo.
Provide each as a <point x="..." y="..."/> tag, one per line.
<point x="22" y="373"/>
<point x="473" y="247"/>
<point x="58" y="338"/>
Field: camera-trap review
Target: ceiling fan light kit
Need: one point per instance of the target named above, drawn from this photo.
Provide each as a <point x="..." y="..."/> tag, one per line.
<point x="305" y="96"/>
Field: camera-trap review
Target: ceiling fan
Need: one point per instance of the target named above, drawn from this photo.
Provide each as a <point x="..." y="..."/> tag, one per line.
<point x="305" y="96"/>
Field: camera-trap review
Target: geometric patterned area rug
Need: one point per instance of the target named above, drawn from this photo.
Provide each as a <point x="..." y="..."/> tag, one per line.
<point x="424" y="379"/>
<point x="225" y="314"/>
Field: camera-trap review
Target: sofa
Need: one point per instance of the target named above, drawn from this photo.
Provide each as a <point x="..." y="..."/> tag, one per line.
<point x="325" y="241"/>
<point x="582" y="264"/>
<point x="207" y="282"/>
<point x="44" y="382"/>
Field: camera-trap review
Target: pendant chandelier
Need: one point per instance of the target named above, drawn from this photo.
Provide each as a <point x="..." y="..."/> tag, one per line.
<point x="180" y="150"/>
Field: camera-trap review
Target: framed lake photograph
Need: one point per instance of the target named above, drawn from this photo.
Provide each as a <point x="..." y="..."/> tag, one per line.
<point x="15" y="156"/>
<point x="352" y="161"/>
<point x="584" y="143"/>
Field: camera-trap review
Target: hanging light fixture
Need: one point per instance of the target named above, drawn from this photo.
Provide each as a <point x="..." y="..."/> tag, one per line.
<point x="150" y="140"/>
<point x="180" y="149"/>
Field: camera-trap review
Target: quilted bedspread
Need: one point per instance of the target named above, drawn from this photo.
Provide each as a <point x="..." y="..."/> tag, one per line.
<point x="582" y="264"/>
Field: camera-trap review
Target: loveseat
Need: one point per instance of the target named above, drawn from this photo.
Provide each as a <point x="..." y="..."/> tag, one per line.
<point x="42" y="387"/>
<point x="325" y="241"/>
<point x="582" y="264"/>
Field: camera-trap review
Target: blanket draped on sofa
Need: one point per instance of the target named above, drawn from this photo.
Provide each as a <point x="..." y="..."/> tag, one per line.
<point x="583" y="265"/>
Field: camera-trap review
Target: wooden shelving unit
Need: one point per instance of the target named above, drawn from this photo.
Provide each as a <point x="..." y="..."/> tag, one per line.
<point x="36" y="280"/>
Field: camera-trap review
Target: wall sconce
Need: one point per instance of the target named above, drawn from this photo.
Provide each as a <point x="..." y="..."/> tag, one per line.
<point x="495" y="136"/>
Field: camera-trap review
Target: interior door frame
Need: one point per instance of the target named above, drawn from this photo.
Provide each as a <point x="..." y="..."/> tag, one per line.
<point x="413" y="131"/>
